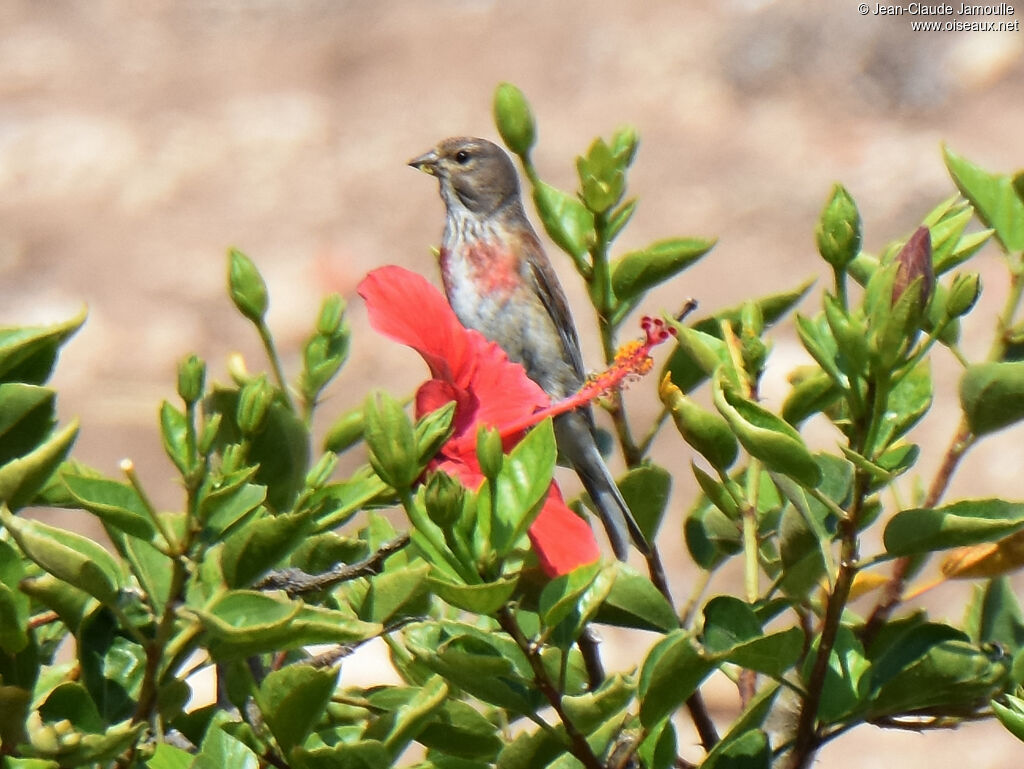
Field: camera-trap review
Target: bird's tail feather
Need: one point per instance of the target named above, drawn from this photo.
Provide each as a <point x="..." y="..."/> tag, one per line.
<point x="581" y="450"/>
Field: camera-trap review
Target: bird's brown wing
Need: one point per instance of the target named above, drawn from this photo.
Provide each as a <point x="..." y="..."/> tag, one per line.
<point x="553" y="298"/>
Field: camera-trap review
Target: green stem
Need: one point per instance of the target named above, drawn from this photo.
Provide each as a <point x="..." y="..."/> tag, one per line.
<point x="840" y="282"/>
<point x="275" y="362"/>
<point x="751" y="561"/>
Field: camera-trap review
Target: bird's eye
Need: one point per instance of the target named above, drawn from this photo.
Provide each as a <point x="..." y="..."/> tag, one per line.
<point x="462" y="157"/>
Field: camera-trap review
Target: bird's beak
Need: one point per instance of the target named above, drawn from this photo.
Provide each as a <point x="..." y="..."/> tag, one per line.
<point x="426" y="163"/>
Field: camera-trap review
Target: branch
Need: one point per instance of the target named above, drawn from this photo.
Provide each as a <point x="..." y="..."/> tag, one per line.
<point x="296" y="582"/>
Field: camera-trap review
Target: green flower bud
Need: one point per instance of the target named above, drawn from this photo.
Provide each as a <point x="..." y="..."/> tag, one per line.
<point x="254" y="402"/>
<point x="248" y="291"/>
<point x="443" y="499"/>
<point x="514" y="119"/>
<point x="346" y="431"/>
<point x="390" y="438"/>
<point x="838" y="231"/>
<point x="332" y="315"/>
<point x="191" y="379"/>
<point x="624" y="144"/>
<point x="963" y="294"/>
<point x="489" y="451"/>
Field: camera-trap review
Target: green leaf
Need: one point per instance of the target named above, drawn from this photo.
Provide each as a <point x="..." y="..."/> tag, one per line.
<point x="992" y="395"/>
<point x="460" y="730"/>
<point x="638" y="271"/>
<point x="706" y="431"/>
<point x="522" y="487"/>
<point x="732" y="632"/>
<point x="364" y="754"/>
<point x="112" y="665"/>
<point x="394" y="591"/>
<point x="71" y="700"/>
<point x="634" y="602"/>
<point x="173" y="435"/>
<point x="646" y="490"/>
<point x="26" y="418"/>
<point x="993" y="197"/>
<point x="968" y="522"/>
<point x="590" y="711"/>
<point x="485" y="598"/>
<point x="293" y="701"/>
<point x="559" y="596"/>
<point x="14" y="604"/>
<point x="257" y="548"/>
<point x="530" y="750"/>
<point x="169" y="757"/>
<point x="729" y="749"/>
<point x="69" y="557"/>
<point x="14" y="709"/>
<point x="567" y="221"/>
<point x="117" y="504"/>
<point x="1011" y="715"/>
<point x="766" y="436"/>
<point x="847" y="679"/>
<point x="242" y="623"/>
<point x="412" y="717"/>
<point x="27" y="353"/>
<point x="673" y="670"/>
<point x="22" y="478"/>
<point x="220" y="749"/>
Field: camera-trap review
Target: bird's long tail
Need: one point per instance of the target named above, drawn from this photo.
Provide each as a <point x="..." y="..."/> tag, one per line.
<point x="574" y="433"/>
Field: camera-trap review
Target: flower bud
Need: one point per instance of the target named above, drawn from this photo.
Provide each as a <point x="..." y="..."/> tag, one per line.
<point x="321" y="472"/>
<point x="514" y="119"/>
<point x="915" y="261"/>
<point x="838" y="231"/>
<point x="191" y="379"/>
<point x="254" y="401"/>
<point x="345" y="432"/>
<point x="489" y="451"/>
<point x="248" y="291"/>
<point x="624" y="144"/>
<point x="332" y="315"/>
<point x="443" y="499"/>
<point x="390" y="438"/>
<point x="963" y="294"/>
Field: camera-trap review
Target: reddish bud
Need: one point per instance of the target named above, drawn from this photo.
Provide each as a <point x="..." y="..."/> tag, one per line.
<point x="915" y="261"/>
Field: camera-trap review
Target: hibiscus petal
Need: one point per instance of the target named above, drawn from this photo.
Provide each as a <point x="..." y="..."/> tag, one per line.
<point x="562" y="540"/>
<point x="405" y="306"/>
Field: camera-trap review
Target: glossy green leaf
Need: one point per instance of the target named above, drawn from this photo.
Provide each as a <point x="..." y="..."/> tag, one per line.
<point x="242" y="623"/>
<point x="413" y="717"/>
<point x="635" y="602"/>
<point x="567" y="221"/>
<point x="173" y="434"/>
<point x="364" y="754"/>
<point x="392" y="593"/>
<point x="28" y="353"/>
<point x="672" y="671"/>
<point x="766" y="436"/>
<point x="22" y="478"/>
<point x="639" y="271"/>
<point x="112" y="665"/>
<point x="14" y="603"/>
<point x="70" y="557"/>
<point x="993" y="197"/>
<point x="26" y="418"/>
<point x="522" y="486"/>
<point x="117" y="504"/>
<point x="730" y="748"/>
<point x="1010" y="714"/>
<point x="169" y="757"/>
<point x="485" y="598"/>
<point x="646" y="490"/>
<point x="257" y="548"/>
<point x="292" y="701"/>
<point x="968" y="522"/>
<point x="559" y="596"/>
<point x="460" y="730"/>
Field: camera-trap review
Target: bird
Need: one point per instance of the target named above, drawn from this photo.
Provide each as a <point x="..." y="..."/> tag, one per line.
<point x="500" y="282"/>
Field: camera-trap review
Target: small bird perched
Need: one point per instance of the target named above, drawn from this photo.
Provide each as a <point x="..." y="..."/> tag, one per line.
<point x="499" y="281"/>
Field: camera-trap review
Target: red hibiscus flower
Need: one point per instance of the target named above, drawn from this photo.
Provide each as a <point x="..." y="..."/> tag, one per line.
<point x="488" y="389"/>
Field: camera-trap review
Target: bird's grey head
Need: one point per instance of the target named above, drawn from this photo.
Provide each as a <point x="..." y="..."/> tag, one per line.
<point x="474" y="174"/>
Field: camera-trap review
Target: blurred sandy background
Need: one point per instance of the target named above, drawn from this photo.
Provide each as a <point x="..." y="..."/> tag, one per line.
<point x="141" y="138"/>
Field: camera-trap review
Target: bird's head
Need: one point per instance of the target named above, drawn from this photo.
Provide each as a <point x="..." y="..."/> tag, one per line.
<point x="475" y="174"/>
